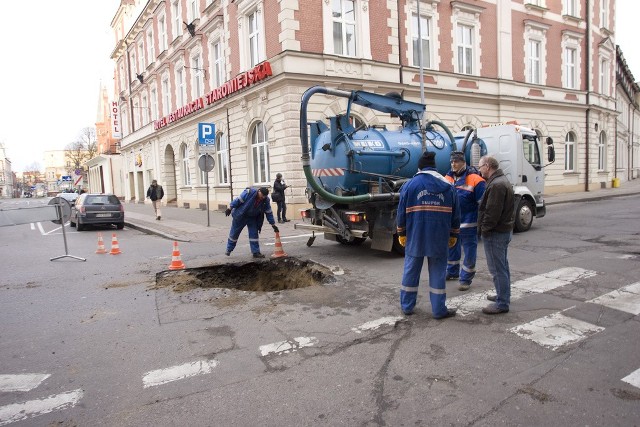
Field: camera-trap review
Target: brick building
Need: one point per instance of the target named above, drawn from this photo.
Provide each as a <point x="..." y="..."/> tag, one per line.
<point x="244" y="64"/>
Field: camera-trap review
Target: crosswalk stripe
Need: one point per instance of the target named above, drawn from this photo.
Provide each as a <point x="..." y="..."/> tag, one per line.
<point x="625" y="299"/>
<point x="288" y="346"/>
<point x="174" y="373"/>
<point x="33" y="408"/>
<point x="375" y="324"/>
<point x="21" y="382"/>
<point x="556" y="330"/>
<point x="633" y="378"/>
<point x="467" y="304"/>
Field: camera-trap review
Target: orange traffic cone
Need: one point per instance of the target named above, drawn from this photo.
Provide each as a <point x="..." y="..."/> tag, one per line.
<point x="279" y="251"/>
<point x="115" y="249"/>
<point x="176" y="262"/>
<point x="101" y="249"/>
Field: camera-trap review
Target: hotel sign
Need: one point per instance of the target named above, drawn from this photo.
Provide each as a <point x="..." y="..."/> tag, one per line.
<point x="241" y="81"/>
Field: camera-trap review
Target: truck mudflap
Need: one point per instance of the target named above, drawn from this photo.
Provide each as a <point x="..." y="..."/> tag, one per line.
<point x="541" y="210"/>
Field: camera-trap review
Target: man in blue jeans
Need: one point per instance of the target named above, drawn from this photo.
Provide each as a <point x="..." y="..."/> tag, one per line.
<point x="495" y="224"/>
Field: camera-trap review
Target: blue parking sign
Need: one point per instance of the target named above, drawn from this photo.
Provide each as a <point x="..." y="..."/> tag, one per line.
<point x="207" y="133"/>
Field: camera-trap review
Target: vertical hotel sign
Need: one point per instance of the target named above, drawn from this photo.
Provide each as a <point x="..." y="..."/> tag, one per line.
<point x="241" y="81"/>
<point x="116" y="129"/>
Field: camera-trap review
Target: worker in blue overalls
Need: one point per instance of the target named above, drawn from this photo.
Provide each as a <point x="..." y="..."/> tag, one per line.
<point x="428" y="222"/>
<point x="249" y="209"/>
<point x="470" y="188"/>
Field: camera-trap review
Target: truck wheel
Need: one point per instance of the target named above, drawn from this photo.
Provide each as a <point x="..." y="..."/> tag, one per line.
<point x="524" y="216"/>
<point x="397" y="247"/>
<point x="357" y="241"/>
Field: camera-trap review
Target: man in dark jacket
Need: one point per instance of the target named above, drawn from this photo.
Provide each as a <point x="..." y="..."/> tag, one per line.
<point x="249" y="209"/>
<point x="278" y="196"/>
<point x="495" y="224"/>
<point x="155" y="193"/>
<point x="428" y="222"/>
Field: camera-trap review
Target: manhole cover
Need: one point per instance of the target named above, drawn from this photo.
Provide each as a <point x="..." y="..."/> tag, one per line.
<point x="265" y="276"/>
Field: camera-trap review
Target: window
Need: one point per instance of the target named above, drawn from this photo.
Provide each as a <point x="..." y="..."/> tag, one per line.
<point x="465" y="49"/>
<point x="176" y="13"/>
<point x="570" y="8"/>
<point x="530" y="147"/>
<point x="222" y="154"/>
<point x="604" y="13"/>
<point x="218" y="64"/>
<point x="154" y="104"/>
<point x="184" y="159"/>
<point x="151" y="48"/>
<point x="145" y="110"/>
<point x="570" y="56"/>
<point x="198" y="77"/>
<point x="570" y="152"/>
<point x="424" y="39"/>
<point x="136" y="115"/>
<point x="260" y="154"/>
<point x="193" y="10"/>
<point x="162" y="29"/>
<point x="254" y="39"/>
<point x="536" y="2"/>
<point x="602" y="152"/>
<point x="141" y="60"/>
<point x="344" y="27"/>
<point x="166" y="95"/>
<point x="604" y="77"/>
<point x="133" y="64"/>
<point x="181" y="90"/>
<point x="534" y="53"/>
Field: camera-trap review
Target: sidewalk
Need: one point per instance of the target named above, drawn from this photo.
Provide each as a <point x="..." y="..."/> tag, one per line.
<point x="190" y="225"/>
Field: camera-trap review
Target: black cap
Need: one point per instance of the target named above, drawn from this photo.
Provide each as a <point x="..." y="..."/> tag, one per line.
<point x="457" y="155"/>
<point x="278" y="175"/>
<point x="428" y="160"/>
<point x="264" y="191"/>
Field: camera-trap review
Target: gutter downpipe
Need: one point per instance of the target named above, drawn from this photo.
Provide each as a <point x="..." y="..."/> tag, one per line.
<point x="229" y="153"/>
<point x="588" y="77"/>
<point x="400" y="44"/>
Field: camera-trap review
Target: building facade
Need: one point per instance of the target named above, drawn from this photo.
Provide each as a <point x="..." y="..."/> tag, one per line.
<point x="244" y="65"/>
<point x="6" y="175"/>
<point x="628" y="124"/>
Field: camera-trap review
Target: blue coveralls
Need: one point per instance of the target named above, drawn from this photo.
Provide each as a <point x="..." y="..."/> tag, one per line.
<point x="248" y="211"/>
<point x="428" y="215"/>
<point x="470" y="187"/>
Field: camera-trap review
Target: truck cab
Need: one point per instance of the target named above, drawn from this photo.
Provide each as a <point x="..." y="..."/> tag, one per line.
<point x="518" y="149"/>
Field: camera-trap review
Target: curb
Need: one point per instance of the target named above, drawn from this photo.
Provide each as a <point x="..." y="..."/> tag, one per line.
<point x="159" y="233"/>
<point x="590" y="199"/>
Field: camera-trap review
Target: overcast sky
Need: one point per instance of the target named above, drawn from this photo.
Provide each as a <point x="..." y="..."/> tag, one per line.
<point x="56" y="53"/>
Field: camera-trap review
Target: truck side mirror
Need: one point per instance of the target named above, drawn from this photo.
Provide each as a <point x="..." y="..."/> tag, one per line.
<point x="551" y="154"/>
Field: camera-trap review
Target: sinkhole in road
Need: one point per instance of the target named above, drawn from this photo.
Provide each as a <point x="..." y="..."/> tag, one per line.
<point x="271" y="275"/>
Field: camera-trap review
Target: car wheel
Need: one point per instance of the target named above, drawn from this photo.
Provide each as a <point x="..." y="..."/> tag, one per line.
<point x="79" y="226"/>
<point x="120" y="225"/>
<point x="71" y="223"/>
<point x="524" y="216"/>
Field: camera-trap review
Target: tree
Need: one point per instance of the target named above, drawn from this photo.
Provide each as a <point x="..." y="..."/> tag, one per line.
<point x="80" y="150"/>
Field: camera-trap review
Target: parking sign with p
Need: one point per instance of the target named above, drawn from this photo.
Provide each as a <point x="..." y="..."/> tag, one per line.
<point x="206" y="133"/>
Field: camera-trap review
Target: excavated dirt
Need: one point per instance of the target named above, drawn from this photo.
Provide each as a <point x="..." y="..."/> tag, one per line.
<point x="272" y="275"/>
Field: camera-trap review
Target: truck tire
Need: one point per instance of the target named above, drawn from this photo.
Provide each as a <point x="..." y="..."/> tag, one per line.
<point x="357" y="241"/>
<point x="524" y="216"/>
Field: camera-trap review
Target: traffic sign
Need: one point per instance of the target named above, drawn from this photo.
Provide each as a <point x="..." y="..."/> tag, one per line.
<point x="206" y="163"/>
<point x="67" y="178"/>
<point x="206" y="133"/>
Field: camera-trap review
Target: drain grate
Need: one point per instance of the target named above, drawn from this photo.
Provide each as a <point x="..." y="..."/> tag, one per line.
<point x="263" y="276"/>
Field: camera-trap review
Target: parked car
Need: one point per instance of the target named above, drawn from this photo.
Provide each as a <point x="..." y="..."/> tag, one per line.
<point x="97" y="209"/>
<point x="69" y="197"/>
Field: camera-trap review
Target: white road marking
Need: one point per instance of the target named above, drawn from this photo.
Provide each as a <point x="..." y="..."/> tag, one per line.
<point x="174" y="373"/>
<point x="40" y="228"/>
<point x="285" y="238"/>
<point x="287" y="346"/>
<point x="556" y="330"/>
<point x="633" y="378"/>
<point x="467" y="304"/>
<point x="33" y="408"/>
<point x="32" y="225"/>
<point x="625" y="299"/>
<point x="21" y="382"/>
<point x="375" y="324"/>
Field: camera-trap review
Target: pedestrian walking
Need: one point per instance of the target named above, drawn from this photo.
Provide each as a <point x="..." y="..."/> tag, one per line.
<point x="469" y="187"/>
<point x="495" y="224"/>
<point x="428" y="222"/>
<point x="278" y="196"/>
<point x="155" y="193"/>
<point x="248" y="210"/>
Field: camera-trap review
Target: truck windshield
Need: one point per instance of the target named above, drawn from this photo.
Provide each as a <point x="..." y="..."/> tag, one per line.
<point x="531" y="150"/>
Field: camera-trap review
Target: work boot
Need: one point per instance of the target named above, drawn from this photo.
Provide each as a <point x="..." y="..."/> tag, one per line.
<point x="492" y="297"/>
<point x="494" y="309"/>
<point x="450" y="313"/>
<point x="285" y="220"/>
<point x="258" y="255"/>
<point x="227" y="253"/>
<point x="464" y="287"/>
